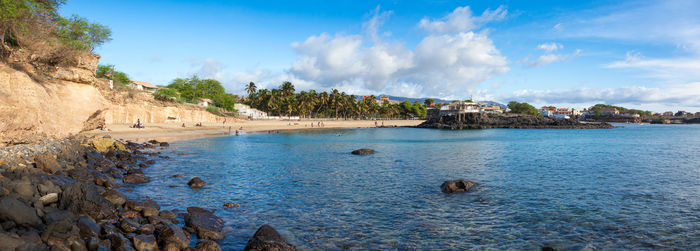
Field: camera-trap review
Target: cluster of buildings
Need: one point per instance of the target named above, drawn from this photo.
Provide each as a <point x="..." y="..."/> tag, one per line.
<point x="560" y="113"/>
<point x="461" y="107"/>
<point x="678" y="114"/>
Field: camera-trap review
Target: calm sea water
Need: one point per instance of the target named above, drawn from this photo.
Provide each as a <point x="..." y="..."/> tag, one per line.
<point x="636" y="187"/>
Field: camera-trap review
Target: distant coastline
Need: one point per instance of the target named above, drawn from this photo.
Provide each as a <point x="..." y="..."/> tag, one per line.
<point x="484" y="121"/>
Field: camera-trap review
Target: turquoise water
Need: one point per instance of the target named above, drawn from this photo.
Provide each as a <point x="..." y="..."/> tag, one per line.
<point x="636" y="187"/>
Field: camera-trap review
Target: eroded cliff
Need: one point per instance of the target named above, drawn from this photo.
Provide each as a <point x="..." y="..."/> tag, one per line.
<point x="69" y="100"/>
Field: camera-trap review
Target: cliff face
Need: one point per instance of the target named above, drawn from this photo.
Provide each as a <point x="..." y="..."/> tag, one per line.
<point x="72" y="100"/>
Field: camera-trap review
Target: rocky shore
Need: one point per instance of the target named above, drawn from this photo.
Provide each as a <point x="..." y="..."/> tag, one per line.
<point x="483" y="121"/>
<point x="63" y="195"/>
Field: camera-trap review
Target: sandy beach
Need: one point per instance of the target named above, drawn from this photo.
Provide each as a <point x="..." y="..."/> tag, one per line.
<point x="175" y="131"/>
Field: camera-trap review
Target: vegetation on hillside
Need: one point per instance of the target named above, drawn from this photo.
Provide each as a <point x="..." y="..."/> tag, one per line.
<point x="523" y="108"/>
<point x="597" y="110"/>
<point x="284" y="101"/>
<point x="108" y="72"/>
<point x="35" y="25"/>
<point x="192" y="89"/>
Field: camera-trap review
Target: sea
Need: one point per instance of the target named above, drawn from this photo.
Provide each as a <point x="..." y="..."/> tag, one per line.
<point x="634" y="187"/>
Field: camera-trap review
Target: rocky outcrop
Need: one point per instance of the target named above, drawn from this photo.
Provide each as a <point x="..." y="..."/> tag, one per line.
<point x="267" y="238"/>
<point x="457" y="186"/>
<point x="207" y="225"/>
<point x="363" y="151"/>
<point x="83" y="198"/>
<point x="484" y="121"/>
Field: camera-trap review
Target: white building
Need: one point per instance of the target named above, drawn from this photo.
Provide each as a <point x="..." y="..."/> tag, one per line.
<point x="251" y="113"/>
<point x="143" y="86"/>
<point x="205" y="102"/>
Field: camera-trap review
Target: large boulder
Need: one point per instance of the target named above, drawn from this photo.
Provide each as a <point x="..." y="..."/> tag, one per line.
<point x="267" y="238"/>
<point x="172" y="234"/>
<point x="196" y="182"/>
<point x="207" y="245"/>
<point x="88" y="227"/>
<point x="83" y="198"/>
<point x="21" y="214"/>
<point x="457" y="186"/>
<point x="47" y="163"/>
<point x="145" y="242"/>
<point x="205" y="223"/>
<point x="115" y="197"/>
<point x="364" y="151"/>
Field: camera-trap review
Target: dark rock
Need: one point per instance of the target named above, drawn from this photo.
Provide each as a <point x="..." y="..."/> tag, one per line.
<point x="54" y="215"/>
<point x="363" y="151"/>
<point x="83" y="198"/>
<point x="147" y="229"/>
<point x="135" y="178"/>
<point x="88" y="227"/>
<point x="549" y="249"/>
<point x="14" y="210"/>
<point x="178" y="175"/>
<point x="9" y="242"/>
<point x="196" y="182"/>
<point x="128" y="225"/>
<point x="207" y="245"/>
<point x="145" y="243"/>
<point x="171" y="233"/>
<point x="164" y="144"/>
<point x="119" y="241"/>
<point x="207" y="225"/>
<point x="150" y="207"/>
<point x="165" y="214"/>
<point x="109" y="229"/>
<point x="47" y="163"/>
<point x="267" y="238"/>
<point x="25" y="189"/>
<point x="115" y="197"/>
<point x="150" y="162"/>
<point x="457" y="186"/>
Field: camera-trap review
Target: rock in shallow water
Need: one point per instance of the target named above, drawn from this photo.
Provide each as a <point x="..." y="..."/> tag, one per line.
<point x="457" y="186"/>
<point x="196" y="182"/>
<point x="207" y="245"/>
<point x="172" y="234"/>
<point x="205" y="223"/>
<point x="364" y="151"/>
<point x="267" y="238"/>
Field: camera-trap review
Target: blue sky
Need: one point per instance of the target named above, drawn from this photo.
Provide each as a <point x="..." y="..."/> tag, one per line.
<point x="641" y="54"/>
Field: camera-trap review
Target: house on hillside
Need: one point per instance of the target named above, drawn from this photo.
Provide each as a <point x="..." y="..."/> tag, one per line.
<point x="609" y="111"/>
<point x="143" y="86"/>
<point x="205" y="102"/>
<point x="668" y="113"/>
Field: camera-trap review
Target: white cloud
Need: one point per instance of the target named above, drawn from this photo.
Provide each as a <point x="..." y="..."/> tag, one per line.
<point x="462" y="20"/>
<point x="451" y="60"/>
<point x="685" y="96"/>
<point x="549" y="58"/>
<point x="670" y="69"/>
<point x="550" y="47"/>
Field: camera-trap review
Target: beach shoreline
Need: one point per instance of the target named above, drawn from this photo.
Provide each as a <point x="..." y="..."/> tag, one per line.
<point x="175" y="132"/>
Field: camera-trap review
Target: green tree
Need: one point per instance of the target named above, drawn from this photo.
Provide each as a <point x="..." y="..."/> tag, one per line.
<point x="429" y="101"/>
<point x="77" y="32"/>
<point x="251" y="88"/>
<point x="17" y="16"/>
<point x="166" y="94"/>
<point x="523" y="108"/>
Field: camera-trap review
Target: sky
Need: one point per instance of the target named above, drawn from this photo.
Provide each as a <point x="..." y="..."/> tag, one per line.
<point x="637" y="54"/>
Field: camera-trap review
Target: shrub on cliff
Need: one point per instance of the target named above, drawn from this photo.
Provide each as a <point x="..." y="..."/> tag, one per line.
<point x="166" y="94"/>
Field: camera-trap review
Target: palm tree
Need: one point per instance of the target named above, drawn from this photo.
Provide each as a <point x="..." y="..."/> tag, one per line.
<point x="251" y="88"/>
<point x="287" y="88"/>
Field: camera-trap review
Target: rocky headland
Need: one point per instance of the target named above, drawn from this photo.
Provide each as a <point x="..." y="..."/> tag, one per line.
<point x="63" y="194"/>
<point x="484" y="121"/>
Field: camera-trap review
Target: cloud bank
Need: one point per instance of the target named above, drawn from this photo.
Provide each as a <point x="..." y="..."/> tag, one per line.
<point x="453" y="58"/>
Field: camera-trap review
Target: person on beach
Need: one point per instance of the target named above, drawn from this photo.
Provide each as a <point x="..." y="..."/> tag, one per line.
<point x="236" y="132"/>
<point x="382" y="123"/>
